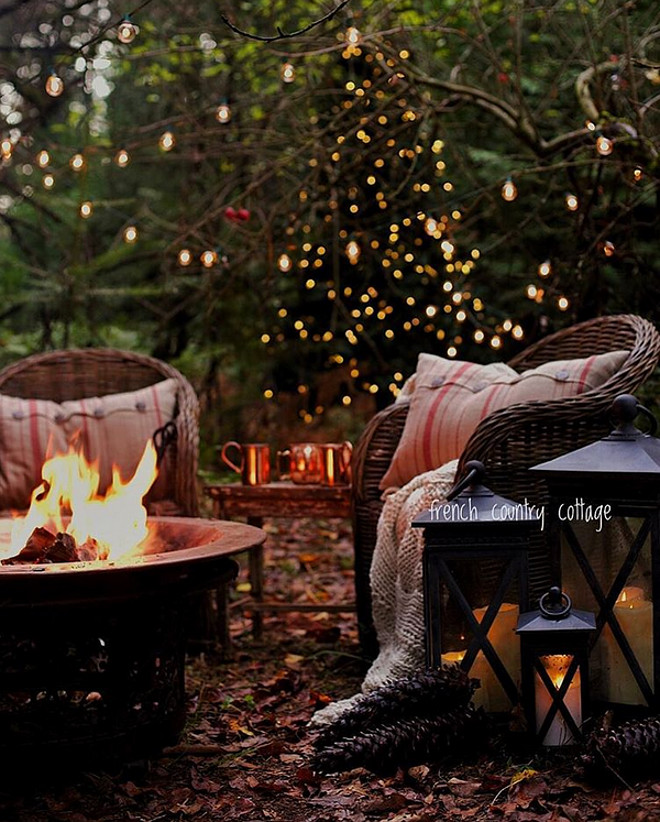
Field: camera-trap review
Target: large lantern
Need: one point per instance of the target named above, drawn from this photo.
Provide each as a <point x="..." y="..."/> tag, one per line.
<point x="613" y="486"/>
<point x="554" y="653"/>
<point x="475" y="579"/>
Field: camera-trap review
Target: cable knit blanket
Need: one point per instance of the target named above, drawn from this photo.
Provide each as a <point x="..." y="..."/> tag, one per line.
<point x="396" y="584"/>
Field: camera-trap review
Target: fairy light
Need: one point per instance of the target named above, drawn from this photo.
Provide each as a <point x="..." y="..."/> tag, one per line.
<point x="54" y="85"/>
<point x="604" y="146"/>
<point x="545" y="269"/>
<point x="352" y="36"/>
<point x="609" y="248"/>
<point x="86" y="209"/>
<point x="184" y="257"/>
<point x="6" y="148"/>
<point x="353" y="251"/>
<point x="531" y="291"/>
<point x="509" y="191"/>
<point x="572" y="202"/>
<point x="49" y="181"/>
<point x="507" y="325"/>
<point x="208" y="258"/>
<point x="43" y="158"/>
<point x="130" y="234"/>
<point x="223" y="113"/>
<point x="77" y="162"/>
<point x="287" y="72"/>
<point x="122" y="158"/>
<point x="563" y="303"/>
<point x="127" y="31"/>
<point x="284" y="263"/>
<point x="167" y="141"/>
<point x="495" y="342"/>
<point x="637" y="174"/>
<point x="478" y="336"/>
<point x="517" y="332"/>
<point x="452" y="351"/>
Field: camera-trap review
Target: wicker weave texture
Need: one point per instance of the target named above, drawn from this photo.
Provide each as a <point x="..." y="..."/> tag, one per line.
<point x="74" y="374"/>
<point x="510" y="440"/>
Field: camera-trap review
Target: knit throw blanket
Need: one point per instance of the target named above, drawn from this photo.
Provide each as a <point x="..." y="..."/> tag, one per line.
<point x="396" y="584"/>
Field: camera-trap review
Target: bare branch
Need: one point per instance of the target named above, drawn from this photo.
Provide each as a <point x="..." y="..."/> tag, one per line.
<point x="283" y="35"/>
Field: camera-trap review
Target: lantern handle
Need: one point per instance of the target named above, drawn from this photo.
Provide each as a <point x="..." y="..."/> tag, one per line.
<point x="625" y="408"/>
<point x="475" y="474"/>
<point x="555" y="604"/>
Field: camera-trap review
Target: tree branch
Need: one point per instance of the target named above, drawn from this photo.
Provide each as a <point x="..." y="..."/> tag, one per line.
<point x="283" y="35"/>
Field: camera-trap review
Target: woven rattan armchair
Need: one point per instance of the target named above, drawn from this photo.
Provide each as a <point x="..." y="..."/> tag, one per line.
<point x="510" y="440"/>
<point x="74" y="374"/>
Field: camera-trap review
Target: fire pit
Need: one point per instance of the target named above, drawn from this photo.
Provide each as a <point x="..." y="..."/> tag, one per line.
<point x="92" y="653"/>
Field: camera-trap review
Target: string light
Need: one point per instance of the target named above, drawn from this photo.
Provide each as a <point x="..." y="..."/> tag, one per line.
<point x="86" y="209"/>
<point x="353" y="251"/>
<point x="167" y="141"/>
<point x="6" y="148"/>
<point x="209" y="258"/>
<point x="54" y="85"/>
<point x="637" y="174"/>
<point x="563" y="303"/>
<point x="545" y="269"/>
<point x="604" y="146"/>
<point x="43" y="158"/>
<point x="130" y="234"/>
<point x="287" y="72"/>
<point x="77" y="162"/>
<point x="122" y="158"/>
<point x="127" y="31"/>
<point x="184" y="257"/>
<point x="48" y="181"/>
<point x="572" y="202"/>
<point x="284" y="263"/>
<point x="509" y="191"/>
<point x="223" y="112"/>
<point x="609" y="248"/>
<point x="353" y="37"/>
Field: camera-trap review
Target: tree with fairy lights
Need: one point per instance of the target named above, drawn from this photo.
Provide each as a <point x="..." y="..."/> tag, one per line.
<point x="306" y="199"/>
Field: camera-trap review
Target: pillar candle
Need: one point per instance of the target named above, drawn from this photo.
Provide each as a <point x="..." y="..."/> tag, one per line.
<point x="480" y="670"/>
<point x="634" y="614"/>
<point x="557" y="665"/>
<point x="502" y="635"/>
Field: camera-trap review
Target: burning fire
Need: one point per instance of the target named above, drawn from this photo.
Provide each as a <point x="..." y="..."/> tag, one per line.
<point x="109" y="526"/>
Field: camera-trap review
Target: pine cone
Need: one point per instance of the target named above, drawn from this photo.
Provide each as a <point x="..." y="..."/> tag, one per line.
<point x="404" y="742"/>
<point x="425" y="693"/>
<point x="633" y="747"/>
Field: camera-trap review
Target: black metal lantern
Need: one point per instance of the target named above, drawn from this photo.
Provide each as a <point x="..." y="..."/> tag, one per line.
<point x="554" y="653"/>
<point x="616" y="478"/>
<point x="470" y="618"/>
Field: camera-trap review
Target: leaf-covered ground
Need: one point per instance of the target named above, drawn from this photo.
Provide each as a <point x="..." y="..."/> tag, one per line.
<point x="246" y="748"/>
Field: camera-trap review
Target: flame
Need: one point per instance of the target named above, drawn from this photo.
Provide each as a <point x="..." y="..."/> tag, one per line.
<point x="115" y="523"/>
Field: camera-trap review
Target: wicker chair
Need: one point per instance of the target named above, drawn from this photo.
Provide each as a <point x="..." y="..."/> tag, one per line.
<point x="78" y="373"/>
<point x="510" y="440"/>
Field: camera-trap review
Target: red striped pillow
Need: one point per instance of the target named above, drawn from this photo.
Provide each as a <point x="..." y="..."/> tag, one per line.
<point x="112" y="429"/>
<point x="451" y="397"/>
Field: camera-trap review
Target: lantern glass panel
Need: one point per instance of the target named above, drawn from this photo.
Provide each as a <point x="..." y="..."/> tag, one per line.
<point x="606" y="551"/>
<point x="556" y="666"/>
<point x="480" y="581"/>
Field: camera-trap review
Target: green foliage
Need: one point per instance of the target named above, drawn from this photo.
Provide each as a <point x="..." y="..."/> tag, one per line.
<point x="399" y="144"/>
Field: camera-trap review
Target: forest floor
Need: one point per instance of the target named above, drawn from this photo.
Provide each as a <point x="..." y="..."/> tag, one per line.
<point x="245" y="753"/>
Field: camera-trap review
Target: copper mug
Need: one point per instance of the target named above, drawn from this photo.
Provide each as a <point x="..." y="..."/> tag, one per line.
<point x="336" y="461"/>
<point x="254" y="463"/>
<point x="301" y="462"/>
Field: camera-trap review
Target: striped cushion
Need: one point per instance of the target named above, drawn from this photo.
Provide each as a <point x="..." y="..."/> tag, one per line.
<point x="113" y="430"/>
<point x="450" y="398"/>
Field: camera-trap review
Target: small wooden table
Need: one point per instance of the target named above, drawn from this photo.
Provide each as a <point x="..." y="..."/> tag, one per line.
<point x="278" y="499"/>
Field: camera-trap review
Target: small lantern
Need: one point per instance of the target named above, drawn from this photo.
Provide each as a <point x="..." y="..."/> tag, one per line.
<point x="615" y="477"/>
<point x="554" y="653"/>
<point x="478" y="531"/>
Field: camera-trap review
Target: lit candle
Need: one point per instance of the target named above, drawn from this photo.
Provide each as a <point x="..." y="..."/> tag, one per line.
<point x="502" y="636"/>
<point x="557" y="666"/>
<point x="634" y="614"/>
<point x="479" y="670"/>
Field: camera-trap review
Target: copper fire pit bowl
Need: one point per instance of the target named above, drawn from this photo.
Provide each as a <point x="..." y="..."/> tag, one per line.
<point x="92" y="653"/>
